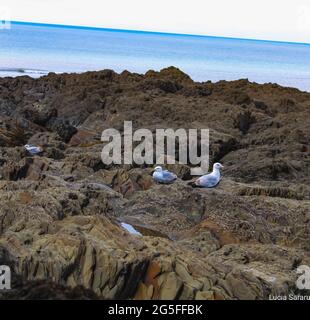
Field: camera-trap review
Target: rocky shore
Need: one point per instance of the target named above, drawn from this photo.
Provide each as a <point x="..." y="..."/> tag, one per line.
<point x="61" y="211"/>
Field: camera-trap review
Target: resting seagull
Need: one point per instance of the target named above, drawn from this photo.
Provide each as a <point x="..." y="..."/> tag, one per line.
<point x="210" y="180"/>
<point x="163" y="176"/>
<point x="32" y="149"/>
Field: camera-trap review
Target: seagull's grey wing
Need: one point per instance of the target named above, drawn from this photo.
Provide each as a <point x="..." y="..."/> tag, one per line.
<point x="209" y="181"/>
<point x="168" y="176"/>
<point x="35" y="150"/>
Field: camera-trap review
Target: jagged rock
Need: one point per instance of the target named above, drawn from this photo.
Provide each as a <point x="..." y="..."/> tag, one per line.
<point x="244" y="121"/>
<point x="61" y="210"/>
<point x="62" y="127"/>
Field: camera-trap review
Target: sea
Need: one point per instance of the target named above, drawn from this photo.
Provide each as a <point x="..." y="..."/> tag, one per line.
<point x="37" y="49"/>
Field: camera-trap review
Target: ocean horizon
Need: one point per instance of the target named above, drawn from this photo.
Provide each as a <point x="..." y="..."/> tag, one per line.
<point x="35" y="49"/>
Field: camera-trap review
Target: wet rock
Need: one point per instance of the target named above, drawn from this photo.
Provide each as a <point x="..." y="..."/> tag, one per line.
<point x="63" y="128"/>
<point x="244" y="121"/>
<point x="39" y="114"/>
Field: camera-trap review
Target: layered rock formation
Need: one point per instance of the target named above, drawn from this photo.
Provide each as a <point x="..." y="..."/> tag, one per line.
<point x="61" y="211"/>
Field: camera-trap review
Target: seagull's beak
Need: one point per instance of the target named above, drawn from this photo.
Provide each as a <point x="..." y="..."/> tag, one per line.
<point x="222" y="167"/>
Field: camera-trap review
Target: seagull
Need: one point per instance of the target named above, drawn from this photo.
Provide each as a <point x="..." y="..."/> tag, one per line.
<point x="32" y="149"/>
<point x="210" y="180"/>
<point x="163" y="176"/>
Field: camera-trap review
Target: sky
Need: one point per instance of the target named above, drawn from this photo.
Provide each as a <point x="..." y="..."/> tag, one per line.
<point x="280" y="20"/>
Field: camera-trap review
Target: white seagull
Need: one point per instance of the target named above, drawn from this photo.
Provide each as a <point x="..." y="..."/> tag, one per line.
<point x="33" y="149"/>
<point x="210" y="180"/>
<point x="163" y="176"/>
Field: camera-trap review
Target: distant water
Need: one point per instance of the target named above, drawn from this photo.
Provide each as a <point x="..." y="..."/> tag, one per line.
<point x="38" y="49"/>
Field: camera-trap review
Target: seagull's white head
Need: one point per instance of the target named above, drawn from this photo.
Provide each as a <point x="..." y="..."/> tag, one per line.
<point x="158" y="169"/>
<point x="217" y="166"/>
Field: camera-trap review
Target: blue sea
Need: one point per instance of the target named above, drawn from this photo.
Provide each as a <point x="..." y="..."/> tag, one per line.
<point x="36" y="49"/>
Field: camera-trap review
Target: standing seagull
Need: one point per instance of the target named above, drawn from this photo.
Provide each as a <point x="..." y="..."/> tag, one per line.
<point x="163" y="176"/>
<point x="209" y="180"/>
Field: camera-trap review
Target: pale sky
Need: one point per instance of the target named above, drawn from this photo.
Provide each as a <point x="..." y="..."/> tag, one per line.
<point x="282" y="20"/>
